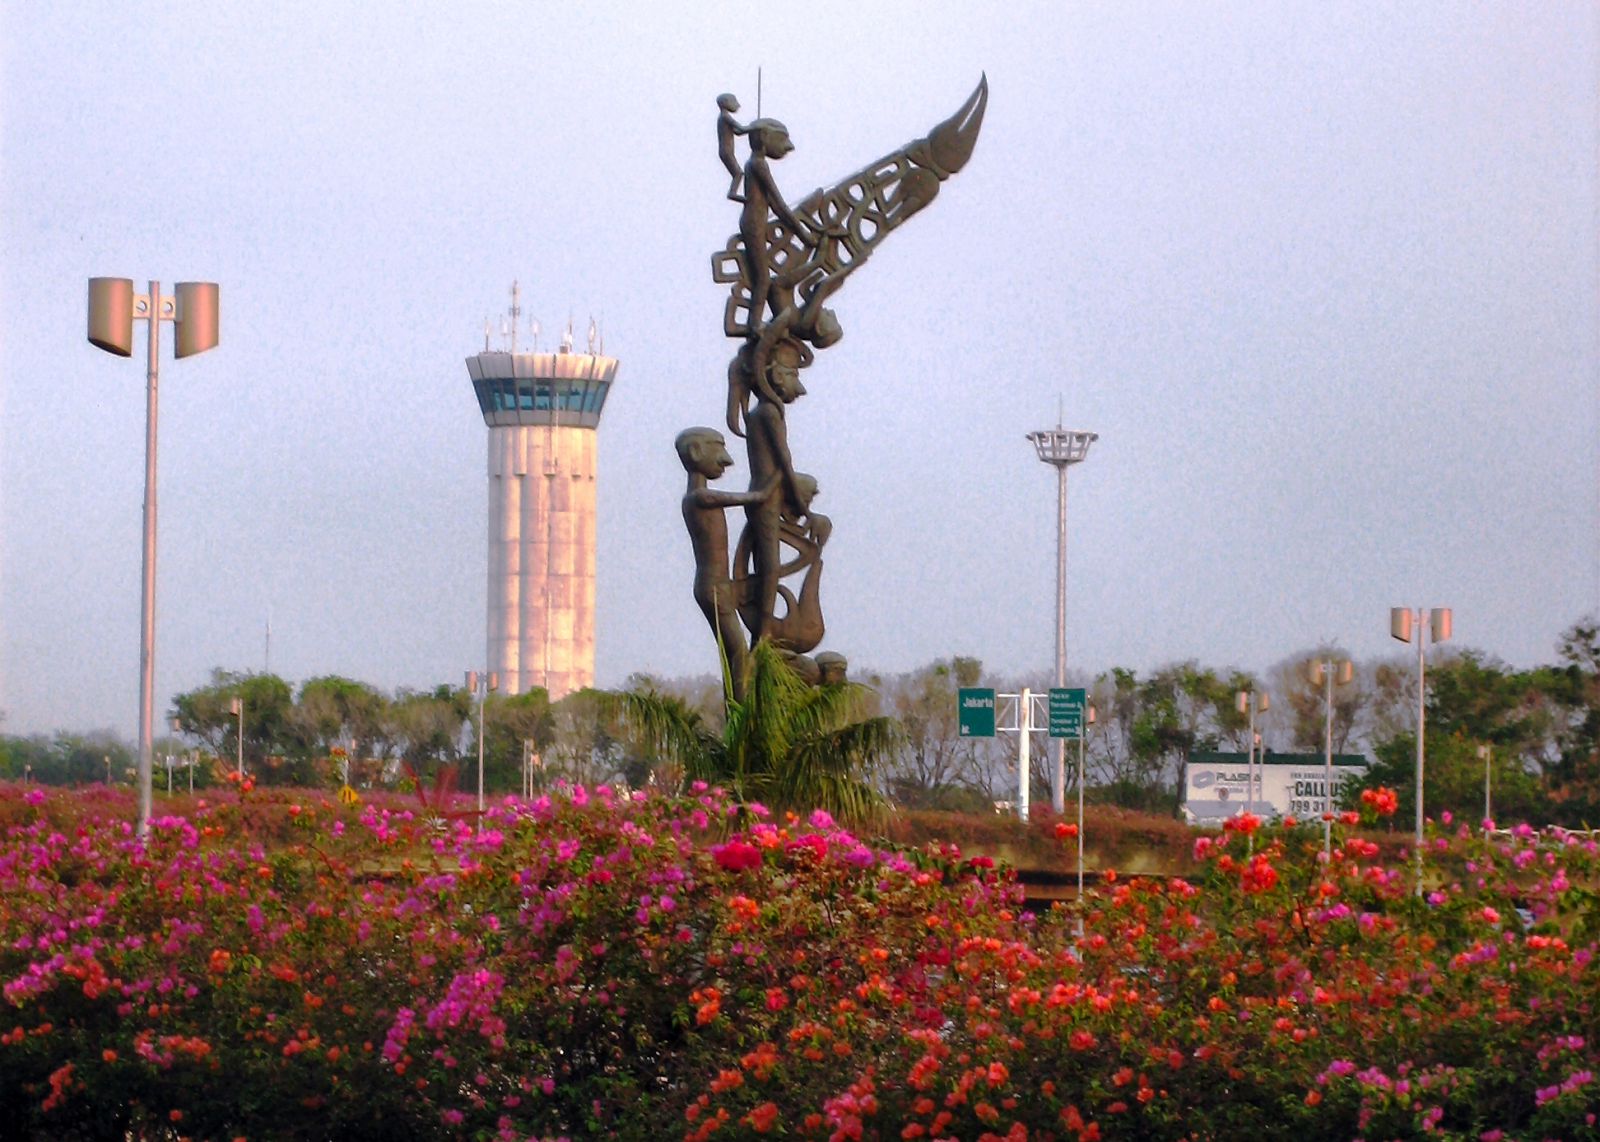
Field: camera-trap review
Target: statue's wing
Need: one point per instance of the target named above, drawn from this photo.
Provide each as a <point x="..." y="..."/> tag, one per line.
<point x="853" y="215"/>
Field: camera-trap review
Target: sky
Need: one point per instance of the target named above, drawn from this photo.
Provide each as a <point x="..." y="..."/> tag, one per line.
<point x="1325" y="279"/>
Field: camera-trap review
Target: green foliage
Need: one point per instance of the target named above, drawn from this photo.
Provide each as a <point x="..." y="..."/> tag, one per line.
<point x="66" y="759"/>
<point x="510" y="721"/>
<point x="786" y="744"/>
<point x="934" y="767"/>
<point x="206" y="713"/>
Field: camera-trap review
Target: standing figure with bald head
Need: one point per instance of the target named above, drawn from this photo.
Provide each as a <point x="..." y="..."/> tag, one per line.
<point x="763" y="201"/>
<point x="728" y="129"/>
<point x="704" y="455"/>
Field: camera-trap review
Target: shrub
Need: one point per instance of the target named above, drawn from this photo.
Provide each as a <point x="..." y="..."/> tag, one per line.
<point x="593" y="964"/>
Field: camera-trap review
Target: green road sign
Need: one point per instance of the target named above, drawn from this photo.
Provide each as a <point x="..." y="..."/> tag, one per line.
<point x="1066" y="712"/>
<point x="975" y="712"/>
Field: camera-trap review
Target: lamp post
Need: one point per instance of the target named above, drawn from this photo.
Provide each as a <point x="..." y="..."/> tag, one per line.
<point x="1252" y="702"/>
<point x="1089" y="717"/>
<point x="480" y="685"/>
<point x="176" y="726"/>
<point x="1486" y="752"/>
<point x="1406" y="625"/>
<point x="236" y="707"/>
<point x="530" y="761"/>
<point x="1061" y="448"/>
<point x="113" y="308"/>
<point x="1324" y="673"/>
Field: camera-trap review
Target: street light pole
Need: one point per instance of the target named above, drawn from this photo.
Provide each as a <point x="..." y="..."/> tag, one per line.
<point x="480" y="685"/>
<point x="1252" y="702"/>
<point x="113" y="308"/>
<point x="1061" y="448"/>
<point x="236" y="706"/>
<point x="1403" y="622"/>
<point x="1089" y="717"/>
<point x="1325" y="673"/>
<point x="1487" y="753"/>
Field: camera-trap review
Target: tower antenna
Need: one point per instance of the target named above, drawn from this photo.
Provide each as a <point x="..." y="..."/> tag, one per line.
<point x="516" y="312"/>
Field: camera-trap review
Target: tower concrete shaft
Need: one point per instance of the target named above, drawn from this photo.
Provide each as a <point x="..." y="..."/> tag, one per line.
<point x="542" y="411"/>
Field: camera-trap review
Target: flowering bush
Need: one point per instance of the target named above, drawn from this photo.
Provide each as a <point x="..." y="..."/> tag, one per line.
<point x="593" y="964"/>
<point x="1379" y="802"/>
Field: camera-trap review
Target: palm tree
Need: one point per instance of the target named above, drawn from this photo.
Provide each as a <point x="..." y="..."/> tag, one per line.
<point x="785" y="743"/>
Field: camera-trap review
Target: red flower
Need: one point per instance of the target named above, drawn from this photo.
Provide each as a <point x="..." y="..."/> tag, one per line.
<point x="1383" y="801"/>
<point x="736" y="856"/>
<point x="1242" y="822"/>
<point x="1065" y="830"/>
<point x="1259" y="875"/>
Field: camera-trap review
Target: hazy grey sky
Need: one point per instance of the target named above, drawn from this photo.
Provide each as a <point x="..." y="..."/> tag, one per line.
<point x="1323" y="277"/>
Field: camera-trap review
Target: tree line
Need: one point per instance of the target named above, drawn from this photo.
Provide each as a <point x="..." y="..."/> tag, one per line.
<point x="1537" y="730"/>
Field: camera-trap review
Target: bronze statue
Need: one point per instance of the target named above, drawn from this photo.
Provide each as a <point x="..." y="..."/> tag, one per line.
<point x="705" y="458"/>
<point x="800" y="628"/>
<point x="727" y="129"/>
<point x="782" y="265"/>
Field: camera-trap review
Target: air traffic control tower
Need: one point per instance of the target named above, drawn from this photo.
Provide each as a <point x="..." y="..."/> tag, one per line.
<point x="543" y="412"/>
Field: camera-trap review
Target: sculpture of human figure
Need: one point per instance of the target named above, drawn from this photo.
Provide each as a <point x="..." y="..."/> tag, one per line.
<point x="704" y="455"/>
<point x="729" y="128"/>
<point x="801" y="628"/>
<point x="771" y="466"/>
<point x="833" y="667"/>
<point x="769" y="139"/>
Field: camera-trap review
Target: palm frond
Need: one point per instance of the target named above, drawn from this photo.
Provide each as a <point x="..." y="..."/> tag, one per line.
<point x="671" y="729"/>
<point x="773" y="692"/>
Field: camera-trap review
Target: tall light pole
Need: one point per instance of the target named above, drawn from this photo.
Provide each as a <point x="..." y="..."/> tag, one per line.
<point x="175" y="724"/>
<point x="1325" y="673"/>
<point x="1089" y="719"/>
<point x="1486" y="752"/>
<point x="113" y="308"/>
<point x="236" y="707"/>
<point x="1252" y="702"/>
<point x="480" y="685"/>
<point x="1061" y="448"/>
<point x="1406" y="625"/>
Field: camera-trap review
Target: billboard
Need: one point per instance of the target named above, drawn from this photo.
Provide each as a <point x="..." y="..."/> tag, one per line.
<point x="1218" y="785"/>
